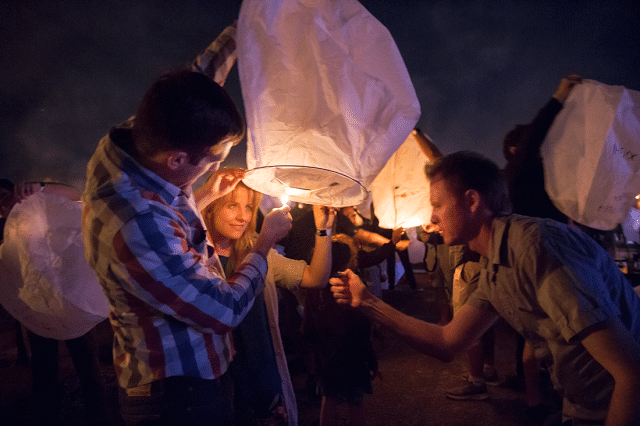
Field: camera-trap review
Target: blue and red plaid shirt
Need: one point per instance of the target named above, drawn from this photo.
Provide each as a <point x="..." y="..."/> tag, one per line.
<point x="171" y="308"/>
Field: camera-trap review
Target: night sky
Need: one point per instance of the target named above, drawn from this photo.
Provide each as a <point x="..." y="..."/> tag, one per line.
<point x="71" y="69"/>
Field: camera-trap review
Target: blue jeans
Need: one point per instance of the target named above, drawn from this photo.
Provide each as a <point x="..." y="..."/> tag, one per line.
<point x="181" y="400"/>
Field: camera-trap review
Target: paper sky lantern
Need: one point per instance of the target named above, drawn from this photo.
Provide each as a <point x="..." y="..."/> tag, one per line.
<point x="45" y="281"/>
<point x="401" y="191"/>
<point x="591" y="155"/>
<point x="327" y="98"/>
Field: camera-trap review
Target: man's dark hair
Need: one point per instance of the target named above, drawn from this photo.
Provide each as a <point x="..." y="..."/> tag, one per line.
<point x="186" y="110"/>
<point x="465" y="170"/>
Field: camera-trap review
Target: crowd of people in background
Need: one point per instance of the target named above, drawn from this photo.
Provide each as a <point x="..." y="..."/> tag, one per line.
<point x="192" y="277"/>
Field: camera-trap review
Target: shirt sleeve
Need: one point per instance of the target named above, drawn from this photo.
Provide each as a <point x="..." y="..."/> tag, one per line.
<point x="160" y="266"/>
<point x="375" y="256"/>
<point x="539" y="128"/>
<point x="571" y="292"/>
<point x="564" y="274"/>
<point x="287" y="272"/>
<point x="219" y="57"/>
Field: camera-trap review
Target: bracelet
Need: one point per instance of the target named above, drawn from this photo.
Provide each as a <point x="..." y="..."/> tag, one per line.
<point x="321" y="232"/>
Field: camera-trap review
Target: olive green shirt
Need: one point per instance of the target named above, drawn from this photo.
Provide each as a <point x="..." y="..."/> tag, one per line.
<point x="551" y="282"/>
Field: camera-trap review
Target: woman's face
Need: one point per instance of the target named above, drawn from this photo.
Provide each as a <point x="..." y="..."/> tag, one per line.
<point x="234" y="215"/>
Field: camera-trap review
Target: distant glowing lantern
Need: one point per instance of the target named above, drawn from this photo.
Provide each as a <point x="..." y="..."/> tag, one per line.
<point x="401" y="191"/>
<point x="327" y="98"/>
<point x="591" y="155"/>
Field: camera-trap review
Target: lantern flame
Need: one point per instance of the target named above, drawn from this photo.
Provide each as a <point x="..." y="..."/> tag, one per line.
<point x="295" y="191"/>
<point x="411" y="223"/>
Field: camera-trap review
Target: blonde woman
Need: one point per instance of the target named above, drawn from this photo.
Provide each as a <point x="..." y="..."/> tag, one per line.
<point x="263" y="390"/>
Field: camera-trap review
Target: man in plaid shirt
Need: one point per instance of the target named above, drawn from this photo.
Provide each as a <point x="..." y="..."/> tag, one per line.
<point x="171" y="306"/>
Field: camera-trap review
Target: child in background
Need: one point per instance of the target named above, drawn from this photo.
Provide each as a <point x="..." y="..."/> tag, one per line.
<point x="341" y="341"/>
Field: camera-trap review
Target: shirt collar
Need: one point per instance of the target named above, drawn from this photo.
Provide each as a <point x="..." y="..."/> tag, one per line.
<point x="498" y="242"/>
<point x="141" y="176"/>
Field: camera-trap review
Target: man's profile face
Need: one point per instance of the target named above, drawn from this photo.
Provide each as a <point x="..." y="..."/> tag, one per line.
<point x="210" y="162"/>
<point x="448" y="212"/>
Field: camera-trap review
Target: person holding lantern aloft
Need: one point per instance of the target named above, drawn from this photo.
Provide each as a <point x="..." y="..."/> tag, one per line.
<point x="263" y="388"/>
<point x="171" y="307"/>
<point x="524" y="174"/>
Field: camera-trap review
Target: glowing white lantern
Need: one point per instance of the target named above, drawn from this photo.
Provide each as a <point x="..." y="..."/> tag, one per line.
<point x="591" y="155"/>
<point x="401" y="191"/>
<point x="45" y="281"/>
<point x="327" y="98"/>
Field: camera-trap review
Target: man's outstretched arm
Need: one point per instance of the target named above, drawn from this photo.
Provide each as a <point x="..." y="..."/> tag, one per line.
<point x="441" y="342"/>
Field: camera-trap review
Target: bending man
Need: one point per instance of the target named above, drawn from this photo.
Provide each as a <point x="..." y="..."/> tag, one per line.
<point x="552" y="283"/>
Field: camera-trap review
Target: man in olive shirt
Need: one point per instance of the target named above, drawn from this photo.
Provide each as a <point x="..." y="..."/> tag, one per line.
<point x="552" y="283"/>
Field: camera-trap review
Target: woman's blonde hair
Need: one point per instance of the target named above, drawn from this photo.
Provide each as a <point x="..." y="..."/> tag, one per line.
<point x="243" y="245"/>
